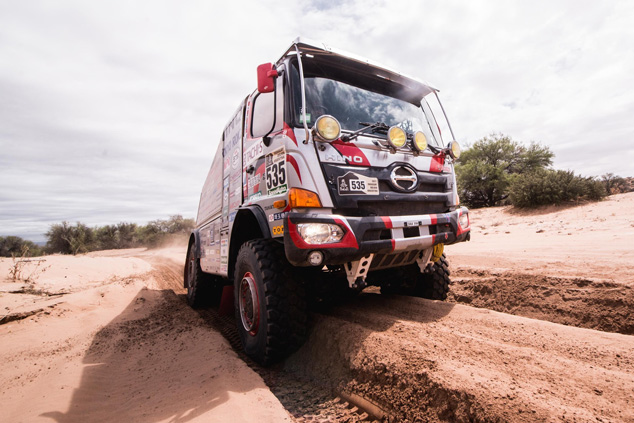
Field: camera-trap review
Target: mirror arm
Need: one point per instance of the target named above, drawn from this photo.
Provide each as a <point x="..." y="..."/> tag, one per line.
<point x="266" y="139"/>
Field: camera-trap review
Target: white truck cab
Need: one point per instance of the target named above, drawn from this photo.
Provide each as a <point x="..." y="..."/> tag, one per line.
<point x="335" y="173"/>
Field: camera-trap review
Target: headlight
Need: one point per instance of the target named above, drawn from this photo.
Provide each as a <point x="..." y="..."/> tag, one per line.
<point x="326" y="129"/>
<point x="420" y="141"/>
<point x="454" y="150"/>
<point x="464" y="220"/>
<point x="320" y="233"/>
<point x="396" y="137"/>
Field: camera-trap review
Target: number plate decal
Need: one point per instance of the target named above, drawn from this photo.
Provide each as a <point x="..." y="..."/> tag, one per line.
<point x="354" y="184"/>
<point x="276" y="180"/>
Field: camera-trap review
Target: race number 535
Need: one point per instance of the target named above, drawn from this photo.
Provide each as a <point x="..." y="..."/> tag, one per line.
<point x="276" y="172"/>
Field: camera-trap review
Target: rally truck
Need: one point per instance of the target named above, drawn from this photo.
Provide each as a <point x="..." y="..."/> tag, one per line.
<point x="334" y="174"/>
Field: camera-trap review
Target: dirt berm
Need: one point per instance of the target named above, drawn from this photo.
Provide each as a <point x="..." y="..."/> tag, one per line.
<point x="421" y="360"/>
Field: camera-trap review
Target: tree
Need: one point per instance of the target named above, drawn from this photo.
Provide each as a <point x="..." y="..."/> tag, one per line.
<point x="485" y="171"/>
<point x="66" y="239"/>
<point x="548" y="186"/>
<point x="614" y="184"/>
<point x="11" y="246"/>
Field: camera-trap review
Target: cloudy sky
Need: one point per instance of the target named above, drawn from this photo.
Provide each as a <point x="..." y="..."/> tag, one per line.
<point x="111" y="111"/>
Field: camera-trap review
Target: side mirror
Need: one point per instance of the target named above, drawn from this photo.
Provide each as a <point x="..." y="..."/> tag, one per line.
<point x="266" y="78"/>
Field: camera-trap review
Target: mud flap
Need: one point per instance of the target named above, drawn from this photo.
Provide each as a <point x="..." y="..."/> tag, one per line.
<point x="226" y="301"/>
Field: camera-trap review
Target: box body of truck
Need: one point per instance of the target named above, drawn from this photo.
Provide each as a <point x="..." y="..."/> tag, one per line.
<point x="335" y="168"/>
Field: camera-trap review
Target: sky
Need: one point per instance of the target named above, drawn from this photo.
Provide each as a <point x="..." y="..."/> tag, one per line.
<point x="111" y="111"/>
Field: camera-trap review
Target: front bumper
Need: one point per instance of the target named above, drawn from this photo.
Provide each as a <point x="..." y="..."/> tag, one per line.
<point x="375" y="235"/>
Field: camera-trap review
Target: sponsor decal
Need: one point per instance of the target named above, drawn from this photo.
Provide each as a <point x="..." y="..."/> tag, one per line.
<point x="224" y="255"/>
<point x="275" y="173"/>
<point x="276" y="216"/>
<point x="354" y="184"/>
<point x="253" y="181"/>
<point x="252" y="153"/>
<point x="225" y="196"/>
<point x="278" y="230"/>
<point x="235" y="159"/>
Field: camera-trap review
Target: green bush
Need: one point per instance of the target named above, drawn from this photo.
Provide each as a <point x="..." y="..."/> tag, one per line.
<point x="66" y="239"/>
<point x="547" y="186"/>
<point x="486" y="170"/>
<point x="14" y="246"/>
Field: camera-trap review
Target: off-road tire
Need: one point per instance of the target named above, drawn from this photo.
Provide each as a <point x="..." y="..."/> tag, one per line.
<point x="276" y="326"/>
<point x="203" y="290"/>
<point x="434" y="282"/>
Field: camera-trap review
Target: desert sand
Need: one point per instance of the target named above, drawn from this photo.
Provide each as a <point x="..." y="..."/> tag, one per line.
<point x="538" y="327"/>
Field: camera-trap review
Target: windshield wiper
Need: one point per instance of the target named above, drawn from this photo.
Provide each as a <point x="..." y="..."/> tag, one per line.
<point x="374" y="127"/>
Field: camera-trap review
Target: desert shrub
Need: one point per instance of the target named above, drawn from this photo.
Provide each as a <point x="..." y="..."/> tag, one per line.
<point x="11" y="246"/>
<point x="157" y="232"/>
<point x="547" y="186"/>
<point x="126" y="233"/>
<point x="66" y="239"/>
<point x="615" y="184"/>
<point x="107" y="237"/>
<point x="485" y="171"/>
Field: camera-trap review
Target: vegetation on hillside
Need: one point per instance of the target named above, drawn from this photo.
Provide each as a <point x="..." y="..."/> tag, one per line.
<point x="79" y="238"/>
<point x="14" y="246"/>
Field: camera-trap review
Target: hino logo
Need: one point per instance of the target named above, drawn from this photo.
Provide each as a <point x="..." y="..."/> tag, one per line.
<point x="348" y="159"/>
<point x="404" y="179"/>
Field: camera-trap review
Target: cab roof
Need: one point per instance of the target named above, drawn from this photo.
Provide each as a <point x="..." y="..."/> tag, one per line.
<point x="357" y="64"/>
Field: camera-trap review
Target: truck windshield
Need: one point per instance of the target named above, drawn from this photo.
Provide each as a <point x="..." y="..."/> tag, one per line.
<point x="355" y="101"/>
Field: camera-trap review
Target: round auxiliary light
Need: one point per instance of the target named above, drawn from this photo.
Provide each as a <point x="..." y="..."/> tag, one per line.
<point x="420" y="141"/>
<point x="396" y="137"/>
<point x="327" y="128"/>
<point x="454" y="150"/>
<point x="315" y="258"/>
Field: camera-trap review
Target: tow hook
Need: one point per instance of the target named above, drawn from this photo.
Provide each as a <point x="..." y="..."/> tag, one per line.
<point x="357" y="271"/>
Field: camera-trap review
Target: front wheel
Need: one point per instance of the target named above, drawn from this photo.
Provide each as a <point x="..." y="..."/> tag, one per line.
<point x="432" y="284"/>
<point x="270" y="303"/>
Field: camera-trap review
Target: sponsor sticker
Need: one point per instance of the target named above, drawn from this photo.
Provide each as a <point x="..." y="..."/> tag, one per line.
<point x="252" y="153"/>
<point x="277" y="216"/>
<point x="275" y="164"/>
<point x="354" y="184"/>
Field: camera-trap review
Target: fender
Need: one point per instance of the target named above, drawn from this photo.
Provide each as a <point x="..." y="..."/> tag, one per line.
<point x="250" y="223"/>
<point x="259" y="215"/>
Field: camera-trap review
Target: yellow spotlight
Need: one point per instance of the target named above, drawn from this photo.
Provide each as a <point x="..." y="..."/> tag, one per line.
<point x="420" y="141"/>
<point x="454" y="150"/>
<point x="299" y="198"/>
<point x="326" y="129"/>
<point x="396" y="137"/>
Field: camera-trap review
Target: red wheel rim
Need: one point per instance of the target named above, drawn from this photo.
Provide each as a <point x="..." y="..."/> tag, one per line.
<point x="249" y="304"/>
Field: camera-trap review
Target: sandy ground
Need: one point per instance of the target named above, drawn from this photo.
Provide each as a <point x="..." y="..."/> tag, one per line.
<point x="537" y="328"/>
<point x="122" y="347"/>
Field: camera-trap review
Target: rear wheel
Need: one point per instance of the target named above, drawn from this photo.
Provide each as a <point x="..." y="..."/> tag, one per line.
<point x="203" y="290"/>
<point x="270" y="302"/>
